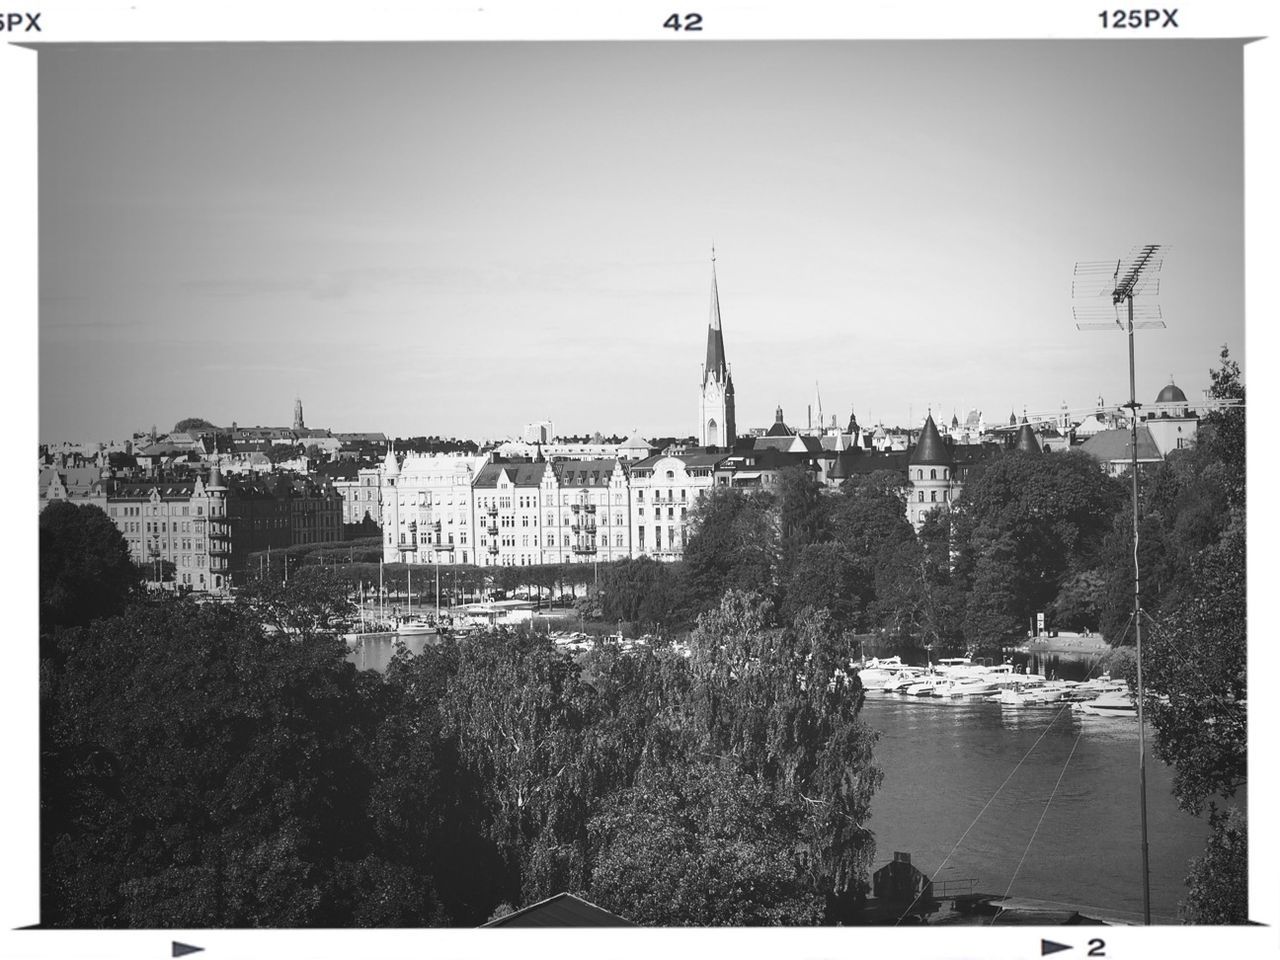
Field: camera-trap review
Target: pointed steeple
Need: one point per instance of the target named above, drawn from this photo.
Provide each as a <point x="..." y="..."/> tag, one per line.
<point x="716" y="368"/>
<point x="1027" y="441"/>
<point x="930" y="448"/>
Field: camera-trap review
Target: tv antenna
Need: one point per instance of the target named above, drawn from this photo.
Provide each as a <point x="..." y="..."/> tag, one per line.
<point x="1100" y="288"/>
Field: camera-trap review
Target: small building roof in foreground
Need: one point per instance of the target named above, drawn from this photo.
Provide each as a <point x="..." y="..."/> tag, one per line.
<point x="562" y="910"/>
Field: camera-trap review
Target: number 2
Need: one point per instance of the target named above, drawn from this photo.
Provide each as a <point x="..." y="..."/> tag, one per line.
<point x="1097" y="948"/>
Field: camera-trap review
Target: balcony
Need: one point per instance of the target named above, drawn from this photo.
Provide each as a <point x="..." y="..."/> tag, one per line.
<point x="216" y="534"/>
<point x="492" y="529"/>
<point x="493" y="549"/>
<point x="409" y="546"/>
<point x="216" y="550"/>
<point x="584" y="548"/>
<point x="492" y="511"/>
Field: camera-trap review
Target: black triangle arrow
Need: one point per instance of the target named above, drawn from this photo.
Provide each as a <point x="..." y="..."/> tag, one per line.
<point x="1046" y="947"/>
<point x="182" y="949"/>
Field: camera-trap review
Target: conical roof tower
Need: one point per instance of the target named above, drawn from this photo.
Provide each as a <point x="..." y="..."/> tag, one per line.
<point x="929" y="448"/>
<point x="1027" y="441"/>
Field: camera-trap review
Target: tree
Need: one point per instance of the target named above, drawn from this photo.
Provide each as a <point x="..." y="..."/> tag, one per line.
<point x="1194" y="672"/>
<point x="641" y="590"/>
<point x="86" y="572"/>
<point x="197" y="772"/>
<point x="733" y="544"/>
<point x="198" y="424"/>
<point x="917" y="600"/>
<point x="1024" y="525"/>
<point x="824" y="578"/>
<point x="513" y="705"/>
<point x="802" y="515"/>
<point x="1224" y="430"/>
<point x="773" y="699"/>
<point x="703" y="845"/>
<point x="280" y="452"/>
<point x="868" y="519"/>
<point x="1218" y="885"/>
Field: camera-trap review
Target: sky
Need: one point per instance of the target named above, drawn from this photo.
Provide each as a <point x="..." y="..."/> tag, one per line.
<point x="459" y="238"/>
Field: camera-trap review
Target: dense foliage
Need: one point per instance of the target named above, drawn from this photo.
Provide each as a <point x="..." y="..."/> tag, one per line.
<point x="193" y="423"/>
<point x="223" y="765"/>
<point x="85" y="568"/>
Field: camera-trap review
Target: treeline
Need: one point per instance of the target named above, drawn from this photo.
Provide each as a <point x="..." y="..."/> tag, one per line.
<point x="1025" y="527"/>
<point x="199" y="770"/>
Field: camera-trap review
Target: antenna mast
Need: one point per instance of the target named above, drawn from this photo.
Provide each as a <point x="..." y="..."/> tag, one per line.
<point x="1135" y="274"/>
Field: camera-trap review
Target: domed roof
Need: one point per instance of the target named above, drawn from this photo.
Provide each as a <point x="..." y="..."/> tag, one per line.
<point x="1172" y="393"/>
<point x="930" y="448"/>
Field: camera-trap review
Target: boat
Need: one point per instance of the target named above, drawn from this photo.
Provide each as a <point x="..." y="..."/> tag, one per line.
<point x="875" y="672"/>
<point x="415" y="627"/>
<point x="1112" y="704"/>
<point x="1033" y="693"/>
<point x="923" y="686"/>
<point x="899" y="682"/>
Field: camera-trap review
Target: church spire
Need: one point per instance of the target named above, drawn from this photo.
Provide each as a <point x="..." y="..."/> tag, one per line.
<point x="716" y="368"/>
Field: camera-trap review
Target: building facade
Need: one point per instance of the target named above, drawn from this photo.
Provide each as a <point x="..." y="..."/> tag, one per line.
<point x="428" y="510"/>
<point x="590" y="519"/>
<point x="664" y="489"/>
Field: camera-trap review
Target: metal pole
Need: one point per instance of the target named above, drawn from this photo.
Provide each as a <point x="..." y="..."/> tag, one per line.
<point x="1137" y="634"/>
<point x="437" y="586"/>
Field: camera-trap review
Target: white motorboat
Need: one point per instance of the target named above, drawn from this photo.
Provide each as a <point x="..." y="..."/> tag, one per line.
<point x="903" y="679"/>
<point x="415" y="627"/>
<point x="1114" y="703"/>
<point x="972" y="685"/>
<point x="875" y="672"/>
<point x="1033" y="693"/>
<point x="924" y="686"/>
<point x="955" y="665"/>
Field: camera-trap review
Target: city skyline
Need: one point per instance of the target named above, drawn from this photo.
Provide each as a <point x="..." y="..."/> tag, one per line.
<point x="457" y="239"/>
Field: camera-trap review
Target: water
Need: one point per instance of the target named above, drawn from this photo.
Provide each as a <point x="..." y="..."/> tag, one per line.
<point x="373" y="651"/>
<point x="945" y="760"/>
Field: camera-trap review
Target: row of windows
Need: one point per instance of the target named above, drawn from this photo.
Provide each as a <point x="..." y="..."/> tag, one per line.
<point x="933" y="474"/>
<point x="671" y="513"/>
<point x="154" y="511"/>
<point x="933" y="496"/>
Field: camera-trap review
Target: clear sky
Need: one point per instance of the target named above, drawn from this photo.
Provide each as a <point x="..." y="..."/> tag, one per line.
<point x="459" y="238"/>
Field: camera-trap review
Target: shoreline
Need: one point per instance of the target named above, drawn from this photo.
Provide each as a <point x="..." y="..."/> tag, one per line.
<point x="1065" y="643"/>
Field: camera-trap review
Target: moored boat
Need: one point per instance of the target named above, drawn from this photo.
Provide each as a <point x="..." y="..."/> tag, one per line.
<point x="1115" y="703"/>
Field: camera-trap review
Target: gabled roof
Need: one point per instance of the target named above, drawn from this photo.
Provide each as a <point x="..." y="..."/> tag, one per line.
<point x="584" y="473"/>
<point x="562" y="910"/>
<point x="930" y="448"/>
<point x="1112" y="445"/>
<point x="520" y="474"/>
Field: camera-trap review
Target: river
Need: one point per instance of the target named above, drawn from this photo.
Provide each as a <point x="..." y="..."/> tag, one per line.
<point x="965" y="790"/>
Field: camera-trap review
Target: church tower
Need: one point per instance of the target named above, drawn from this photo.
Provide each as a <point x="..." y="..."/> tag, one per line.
<point x="717" y="425"/>
<point x="297" y="414"/>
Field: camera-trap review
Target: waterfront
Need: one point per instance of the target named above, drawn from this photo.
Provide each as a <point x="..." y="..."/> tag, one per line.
<point x="944" y="760"/>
